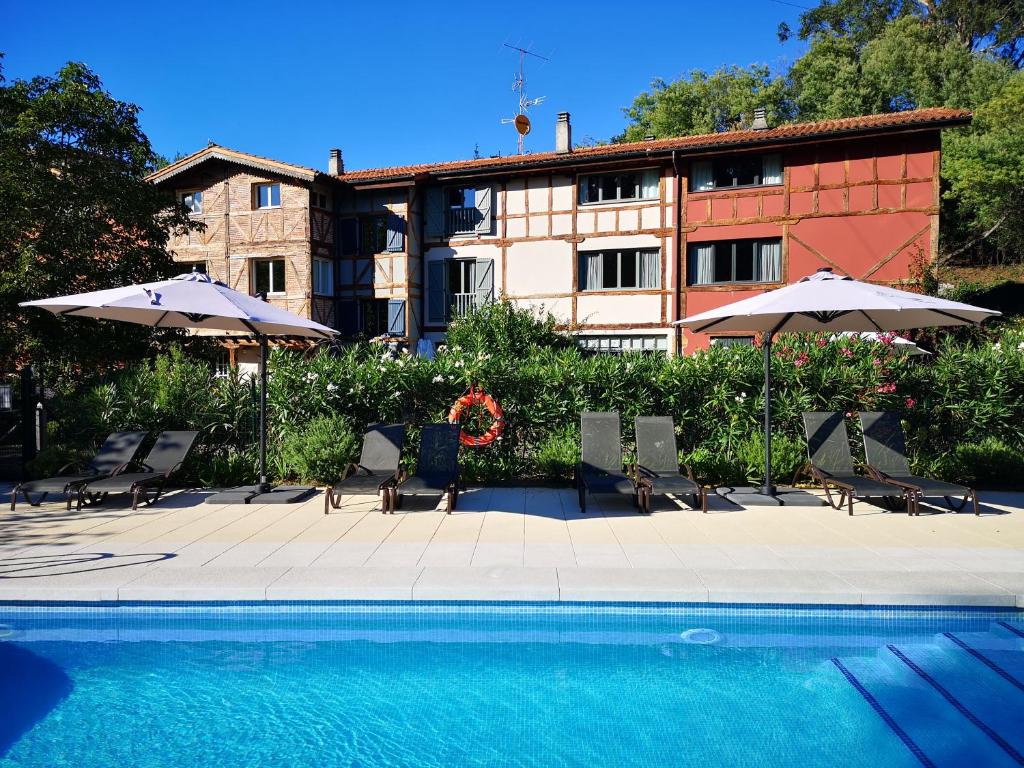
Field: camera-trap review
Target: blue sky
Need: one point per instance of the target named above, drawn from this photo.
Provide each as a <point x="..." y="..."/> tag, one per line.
<point x="390" y="83"/>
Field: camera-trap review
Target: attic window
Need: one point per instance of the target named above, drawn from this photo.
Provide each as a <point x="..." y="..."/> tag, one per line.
<point x="193" y="201"/>
<point x="268" y="196"/>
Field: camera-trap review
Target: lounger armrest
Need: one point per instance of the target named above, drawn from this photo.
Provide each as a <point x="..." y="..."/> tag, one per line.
<point x="71" y="465"/>
<point x="881" y="477"/>
<point x="348" y="471"/>
<point x="824" y="477"/>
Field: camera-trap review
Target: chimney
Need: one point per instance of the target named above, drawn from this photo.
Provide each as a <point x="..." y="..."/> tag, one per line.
<point x="335" y="165"/>
<point x="563" y="134"/>
<point x="760" y="120"/>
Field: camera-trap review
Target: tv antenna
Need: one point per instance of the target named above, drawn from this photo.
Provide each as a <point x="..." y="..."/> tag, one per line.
<point x="521" y="121"/>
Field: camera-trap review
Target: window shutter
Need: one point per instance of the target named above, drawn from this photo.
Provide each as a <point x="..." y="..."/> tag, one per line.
<point x="348" y="317"/>
<point x="483" y="207"/>
<point x="434" y="213"/>
<point x="349" y="237"/>
<point x="702" y="176"/>
<point x="396" y="233"/>
<point x="396" y="317"/>
<point x="436" y="292"/>
<point x="484" y="283"/>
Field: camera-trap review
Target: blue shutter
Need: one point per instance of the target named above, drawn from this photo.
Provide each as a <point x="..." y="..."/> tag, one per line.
<point x="396" y="317"/>
<point x="348" y="317"/>
<point x="349" y="237"/>
<point x="483" y="199"/>
<point x="434" y="212"/>
<point x="396" y="233"/>
<point x="436" y="290"/>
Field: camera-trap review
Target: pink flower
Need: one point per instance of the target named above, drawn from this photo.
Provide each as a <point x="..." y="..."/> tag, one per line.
<point x="887" y="389"/>
<point x="911" y="402"/>
<point x="822" y="343"/>
<point x="876" y="361"/>
<point x="801" y="360"/>
<point x="847" y="352"/>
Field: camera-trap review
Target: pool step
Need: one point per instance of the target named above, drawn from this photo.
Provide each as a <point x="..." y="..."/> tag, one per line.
<point x="955" y="701"/>
<point x="1010" y="629"/>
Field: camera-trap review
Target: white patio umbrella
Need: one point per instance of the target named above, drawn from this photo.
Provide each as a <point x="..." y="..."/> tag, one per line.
<point x="194" y="300"/>
<point x="828" y="302"/>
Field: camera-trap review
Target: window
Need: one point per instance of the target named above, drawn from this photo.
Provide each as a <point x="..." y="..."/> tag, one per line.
<point x="222" y="365"/>
<point x="268" y="276"/>
<point x="318" y="200"/>
<point x="323" y="277"/>
<point x="374" y="230"/>
<point x="193" y="266"/>
<point x="371" y="317"/>
<point x="193" y="201"/>
<point x="617" y="345"/>
<point x="455" y="286"/>
<point x="461" y="212"/>
<point x="735" y="261"/>
<point x="620" y="269"/>
<point x="628" y="185"/>
<point x="735" y="171"/>
<point x="732" y="341"/>
<point x="268" y="195"/>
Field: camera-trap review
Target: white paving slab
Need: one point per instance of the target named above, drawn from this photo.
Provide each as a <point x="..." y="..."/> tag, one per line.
<point x="201" y="584"/>
<point x="487" y="584"/>
<point x="358" y="583"/>
<point x="631" y="584"/>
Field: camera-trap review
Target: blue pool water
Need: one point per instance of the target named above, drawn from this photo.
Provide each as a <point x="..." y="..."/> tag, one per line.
<point x="491" y="685"/>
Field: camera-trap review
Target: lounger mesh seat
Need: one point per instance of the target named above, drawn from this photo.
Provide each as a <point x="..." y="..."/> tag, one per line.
<point x="116" y="452"/>
<point x="600" y="469"/>
<point x="377" y="469"/>
<point x="437" y="467"/>
<point x="886" y="454"/>
<point x="164" y="459"/>
<point x="658" y="463"/>
<point x="828" y="448"/>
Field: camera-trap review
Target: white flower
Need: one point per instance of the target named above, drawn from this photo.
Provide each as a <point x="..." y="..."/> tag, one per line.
<point x="1020" y="347"/>
<point x="458" y="363"/>
<point x="997" y="346"/>
<point x="332" y="387"/>
<point x="439" y="379"/>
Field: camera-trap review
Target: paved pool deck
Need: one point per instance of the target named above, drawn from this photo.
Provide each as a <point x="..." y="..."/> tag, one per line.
<point x="513" y="544"/>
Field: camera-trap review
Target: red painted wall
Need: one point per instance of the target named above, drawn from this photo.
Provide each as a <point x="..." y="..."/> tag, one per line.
<point x="866" y="208"/>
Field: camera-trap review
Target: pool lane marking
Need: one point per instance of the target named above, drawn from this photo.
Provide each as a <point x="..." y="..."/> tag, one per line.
<point x="985" y="660"/>
<point x="889" y="719"/>
<point x="1007" y="747"/>
<point x="1010" y="627"/>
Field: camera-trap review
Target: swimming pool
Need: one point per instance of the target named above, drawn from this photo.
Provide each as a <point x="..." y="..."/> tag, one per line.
<point x="492" y="685"/>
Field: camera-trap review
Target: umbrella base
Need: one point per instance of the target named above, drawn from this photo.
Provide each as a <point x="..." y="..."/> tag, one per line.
<point x="257" y="494"/>
<point x="756" y="497"/>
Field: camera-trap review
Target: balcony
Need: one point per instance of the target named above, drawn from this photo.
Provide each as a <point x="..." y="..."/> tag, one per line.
<point x="460" y="303"/>
<point x="460" y="221"/>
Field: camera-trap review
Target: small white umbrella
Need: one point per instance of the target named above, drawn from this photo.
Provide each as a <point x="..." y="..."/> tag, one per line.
<point x="828" y="302"/>
<point x="193" y="300"/>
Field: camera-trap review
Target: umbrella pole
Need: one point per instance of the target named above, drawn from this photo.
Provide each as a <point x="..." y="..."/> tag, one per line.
<point x="767" y="489"/>
<point x="263" y="411"/>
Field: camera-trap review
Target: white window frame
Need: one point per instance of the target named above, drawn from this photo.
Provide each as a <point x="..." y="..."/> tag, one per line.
<point x="257" y="263"/>
<point x="323" y="272"/>
<point x="641" y="172"/>
<point x="617" y="344"/>
<point x="637" y="254"/>
<point x="191" y="204"/>
<point x="760" y="182"/>
<point x="256" y="196"/>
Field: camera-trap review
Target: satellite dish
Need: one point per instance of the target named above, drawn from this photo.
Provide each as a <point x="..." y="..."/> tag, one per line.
<point x="522" y="123"/>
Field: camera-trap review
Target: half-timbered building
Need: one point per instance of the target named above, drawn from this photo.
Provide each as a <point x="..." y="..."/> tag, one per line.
<point x="617" y="241"/>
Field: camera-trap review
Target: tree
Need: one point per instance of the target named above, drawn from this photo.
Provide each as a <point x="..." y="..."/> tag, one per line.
<point x="77" y="213"/>
<point x="704" y="103"/>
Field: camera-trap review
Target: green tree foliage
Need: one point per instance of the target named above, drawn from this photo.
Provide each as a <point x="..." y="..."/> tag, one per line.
<point x="705" y="103"/>
<point x="76" y="213"/>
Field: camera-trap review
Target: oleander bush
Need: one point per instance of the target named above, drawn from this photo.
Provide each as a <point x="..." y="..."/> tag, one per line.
<point x="962" y="407"/>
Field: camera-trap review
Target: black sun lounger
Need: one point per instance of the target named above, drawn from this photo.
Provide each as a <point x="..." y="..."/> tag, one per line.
<point x="886" y="454"/>
<point x="437" y="468"/>
<point x="600" y="470"/>
<point x="657" y="470"/>
<point x="164" y="459"/>
<point x="377" y="470"/>
<point x="117" y="451"/>
<point x="828" y="448"/>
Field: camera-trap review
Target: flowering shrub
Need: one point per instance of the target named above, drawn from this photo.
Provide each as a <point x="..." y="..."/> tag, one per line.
<point x="964" y="393"/>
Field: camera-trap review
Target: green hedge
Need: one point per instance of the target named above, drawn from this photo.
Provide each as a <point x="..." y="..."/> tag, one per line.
<point x="961" y="406"/>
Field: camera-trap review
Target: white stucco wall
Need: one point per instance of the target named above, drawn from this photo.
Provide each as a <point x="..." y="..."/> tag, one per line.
<point x="597" y="309"/>
<point x="539" y="268"/>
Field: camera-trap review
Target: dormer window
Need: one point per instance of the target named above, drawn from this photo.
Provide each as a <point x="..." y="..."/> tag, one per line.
<point x="193" y="201"/>
<point x="267" y="196"/>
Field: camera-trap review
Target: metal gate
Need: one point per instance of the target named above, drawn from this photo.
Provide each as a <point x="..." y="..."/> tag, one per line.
<point x="22" y="422"/>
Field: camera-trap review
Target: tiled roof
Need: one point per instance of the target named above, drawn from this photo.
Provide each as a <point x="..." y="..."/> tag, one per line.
<point x="892" y="121"/>
<point x="215" y="151"/>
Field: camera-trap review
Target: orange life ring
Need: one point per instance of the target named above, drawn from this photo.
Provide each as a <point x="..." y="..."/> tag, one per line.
<point x="478" y="397"/>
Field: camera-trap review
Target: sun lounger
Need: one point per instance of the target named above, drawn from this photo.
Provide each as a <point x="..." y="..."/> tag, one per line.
<point x="377" y="470"/>
<point x="437" y="468"/>
<point x="657" y="470"/>
<point x="828" y="448"/>
<point x="116" y="452"/>
<point x="164" y="459"/>
<point x="886" y="455"/>
<point x="600" y="470"/>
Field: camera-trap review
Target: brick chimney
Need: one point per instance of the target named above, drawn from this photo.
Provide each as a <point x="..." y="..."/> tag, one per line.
<point x="563" y="134"/>
<point x="760" y="120"/>
<point x="336" y="164"/>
